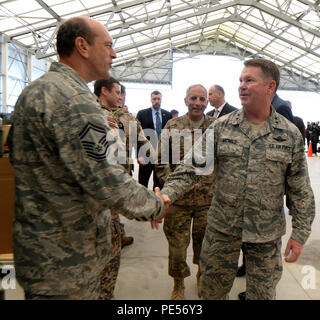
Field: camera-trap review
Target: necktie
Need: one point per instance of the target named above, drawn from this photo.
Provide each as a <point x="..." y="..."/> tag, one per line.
<point x="158" y="124"/>
<point x="216" y="113"/>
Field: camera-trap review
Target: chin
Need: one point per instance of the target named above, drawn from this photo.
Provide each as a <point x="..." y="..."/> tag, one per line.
<point x="243" y="102"/>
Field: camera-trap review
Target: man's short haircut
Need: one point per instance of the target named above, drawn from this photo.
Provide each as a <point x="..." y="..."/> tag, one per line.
<point x="108" y="83"/>
<point x="196" y="85"/>
<point x="269" y="69"/>
<point x="219" y="88"/>
<point x="156" y="92"/>
<point x="69" y="31"/>
<point x="174" y="111"/>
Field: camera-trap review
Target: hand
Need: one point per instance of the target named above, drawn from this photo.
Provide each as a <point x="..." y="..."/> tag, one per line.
<point x="141" y="161"/>
<point x="293" y="250"/>
<point x="166" y="200"/>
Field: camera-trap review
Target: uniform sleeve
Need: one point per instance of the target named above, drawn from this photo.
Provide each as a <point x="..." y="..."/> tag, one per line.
<point x="300" y="197"/>
<point x="197" y="163"/>
<point x="88" y="150"/>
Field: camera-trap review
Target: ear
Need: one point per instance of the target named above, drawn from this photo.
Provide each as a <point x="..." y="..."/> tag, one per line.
<point x="104" y="90"/>
<point x="272" y="86"/>
<point x="82" y="46"/>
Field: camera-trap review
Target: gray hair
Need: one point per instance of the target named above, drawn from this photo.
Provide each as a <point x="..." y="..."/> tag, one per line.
<point x="196" y="85"/>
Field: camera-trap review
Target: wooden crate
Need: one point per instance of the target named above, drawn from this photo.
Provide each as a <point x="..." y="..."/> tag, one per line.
<point x="6" y="205"/>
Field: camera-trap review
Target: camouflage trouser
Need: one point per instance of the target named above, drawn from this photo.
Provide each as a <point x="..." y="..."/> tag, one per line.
<point x="177" y="225"/>
<point x="219" y="262"/>
<point x="122" y="232"/>
<point x="109" y="274"/>
<point x="89" y="292"/>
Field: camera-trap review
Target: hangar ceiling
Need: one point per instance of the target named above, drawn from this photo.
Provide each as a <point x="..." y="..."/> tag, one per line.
<point x="150" y="35"/>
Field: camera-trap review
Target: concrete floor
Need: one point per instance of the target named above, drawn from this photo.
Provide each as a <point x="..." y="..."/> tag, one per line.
<point x="143" y="271"/>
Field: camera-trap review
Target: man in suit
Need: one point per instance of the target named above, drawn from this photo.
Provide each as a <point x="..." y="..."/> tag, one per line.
<point x="152" y="120"/>
<point x="217" y="100"/>
<point x="175" y="113"/>
<point x="282" y="107"/>
<point x="299" y="123"/>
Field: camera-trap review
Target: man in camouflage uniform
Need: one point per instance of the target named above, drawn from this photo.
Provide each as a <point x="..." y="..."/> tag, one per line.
<point x="256" y="150"/>
<point x="65" y="181"/>
<point x="178" y="136"/>
<point x="108" y="91"/>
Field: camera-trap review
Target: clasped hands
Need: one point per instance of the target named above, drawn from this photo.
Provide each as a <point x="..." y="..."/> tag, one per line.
<point x="155" y="223"/>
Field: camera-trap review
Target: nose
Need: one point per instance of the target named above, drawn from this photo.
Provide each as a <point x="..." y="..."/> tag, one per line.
<point x="242" y="85"/>
<point x="198" y="102"/>
<point x="113" y="54"/>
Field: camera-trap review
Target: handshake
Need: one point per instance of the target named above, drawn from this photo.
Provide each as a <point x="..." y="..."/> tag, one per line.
<point x="166" y="200"/>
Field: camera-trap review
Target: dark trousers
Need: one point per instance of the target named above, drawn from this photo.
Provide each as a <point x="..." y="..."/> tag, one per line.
<point x="308" y="142"/>
<point x="314" y="147"/>
<point x="145" y="173"/>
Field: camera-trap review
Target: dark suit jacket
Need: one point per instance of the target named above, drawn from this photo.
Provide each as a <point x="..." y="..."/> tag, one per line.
<point x="225" y="110"/>
<point x="282" y="107"/>
<point x="300" y="124"/>
<point x="145" y="118"/>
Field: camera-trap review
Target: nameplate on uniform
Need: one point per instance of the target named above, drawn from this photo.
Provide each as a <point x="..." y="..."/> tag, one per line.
<point x="279" y="147"/>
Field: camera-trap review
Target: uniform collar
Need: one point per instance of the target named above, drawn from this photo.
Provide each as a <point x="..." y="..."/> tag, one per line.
<point x="62" y="67"/>
<point x="275" y="119"/>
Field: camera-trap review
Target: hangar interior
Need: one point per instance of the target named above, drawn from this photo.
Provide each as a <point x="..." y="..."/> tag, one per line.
<point x="149" y="36"/>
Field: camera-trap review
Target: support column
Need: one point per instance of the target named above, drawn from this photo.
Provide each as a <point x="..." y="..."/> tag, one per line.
<point x="4" y="72"/>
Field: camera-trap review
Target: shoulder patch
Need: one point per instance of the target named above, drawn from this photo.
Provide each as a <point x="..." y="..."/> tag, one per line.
<point x="94" y="142"/>
<point x="112" y="123"/>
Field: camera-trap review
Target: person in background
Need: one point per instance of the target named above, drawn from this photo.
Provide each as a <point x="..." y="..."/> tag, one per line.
<point x="152" y="120"/>
<point x="314" y="137"/>
<point x="174" y="113"/>
<point x="109" y="93"/>
<point x="308" y="133"/>
<point x="65" y="180"/>
<point x="299" y="123"/>
<point x="217" y="100"/>
<point x="123" y="97"/>
<point x="282" y="107"/>
<point x="250" y="175"/>
<point x="192" y="207"/>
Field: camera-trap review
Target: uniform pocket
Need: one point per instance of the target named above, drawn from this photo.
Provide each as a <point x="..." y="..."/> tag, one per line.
<point x="273" y="179"/>
<point x="228" y="180"/>
<point x="277" y="163"/>
<point x="229" y="150"/>
<point x="283" y="155"/>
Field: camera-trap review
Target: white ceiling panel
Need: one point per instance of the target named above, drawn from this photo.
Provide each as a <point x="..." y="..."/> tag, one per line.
<point x="285" y="30"/>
